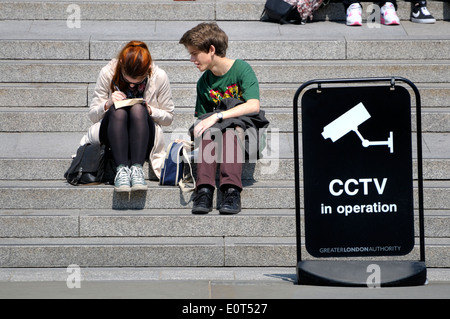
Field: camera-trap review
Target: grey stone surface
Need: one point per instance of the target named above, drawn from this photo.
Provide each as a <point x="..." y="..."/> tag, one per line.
<point x="12" y="169"/>
<point x="437" y="225"/>
<point x="418" y="71"/>
<point x="60" y="195"/>
<point x="101" y="40"/>
<point x="174" y="252"/>
<point x="199" y="10"/>
<point x="393" y="50"/>
<point x="155" y="222"/>
<point x="41" y="195"/>
<point x="63" y="145"/>
<point x="273" y="96"/>
<point x="47" y="75"/>
<point x="267" y="252"/>
<point x="45" y="120"/>
<point x="217" y="289"/>
<point x="43" y="95"/>
<point x="161" y="50"/>
<point x="434" y="97"/>
<point x="63" y="119"/>
<point x="44" y="49"/>
<point x="24" y="155"/>
<point x="259" y="283"/>
<point x="44" y="71"/>
<point x="39" y="226"/>
<point x="259" y="223"/>
<point x="107" y="252"/>
<point x="97" y="10"/>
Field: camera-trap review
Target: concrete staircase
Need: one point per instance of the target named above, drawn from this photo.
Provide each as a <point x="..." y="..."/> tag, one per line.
<point x="48" y="67"/>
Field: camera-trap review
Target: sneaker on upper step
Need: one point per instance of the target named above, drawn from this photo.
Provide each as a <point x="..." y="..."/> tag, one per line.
<point x="354" y="17"/>
<point x="420" y="13"/>
<point x="389" y="15"/>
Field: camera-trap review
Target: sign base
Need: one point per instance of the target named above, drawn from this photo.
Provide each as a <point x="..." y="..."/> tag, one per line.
<point x="361" y="273"/>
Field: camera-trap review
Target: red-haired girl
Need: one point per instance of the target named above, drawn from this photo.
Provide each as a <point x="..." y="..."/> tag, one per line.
<point x="133" y="133"/>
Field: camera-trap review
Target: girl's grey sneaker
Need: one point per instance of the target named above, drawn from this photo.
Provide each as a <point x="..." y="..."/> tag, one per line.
<point x="122" y="182"/>
<point x="137" y="178"/>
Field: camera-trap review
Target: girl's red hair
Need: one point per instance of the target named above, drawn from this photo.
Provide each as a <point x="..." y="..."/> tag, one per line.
<point x="134" y="61"/>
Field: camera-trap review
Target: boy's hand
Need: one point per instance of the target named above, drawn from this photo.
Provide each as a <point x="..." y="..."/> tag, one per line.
<point x="205" y="124"/>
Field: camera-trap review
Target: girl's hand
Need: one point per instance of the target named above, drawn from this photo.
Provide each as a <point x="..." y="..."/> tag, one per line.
<point x="118" y="96"/>
<point x="149" y="109"/>
<point x="115" y="97"/>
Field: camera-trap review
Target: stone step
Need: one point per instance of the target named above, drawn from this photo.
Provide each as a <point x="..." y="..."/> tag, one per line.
<point x="63" y="119"/>
<point x="64" y="95"/>
<point x="179" y="10"/>
<point x="55" y="223"/>
<point x="263" y="170"/>
<point x="105" y="10"/>
<point x="102" y="40"/>
<point x="56" y="145"/>
<point x="169" y="222"/>
<point x="146" y="223"/>
<point x="27" y="234"/>
<point x="83" y="71"/>
<point x="28" y="156"/>
<point x="47" y="71"/>
<point x="275" y="194"/>
<point x="175" y="252"/>
<point x="64" y="145"/>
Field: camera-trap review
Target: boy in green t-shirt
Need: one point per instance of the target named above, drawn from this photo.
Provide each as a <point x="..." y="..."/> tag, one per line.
<point x="222" y="78"/>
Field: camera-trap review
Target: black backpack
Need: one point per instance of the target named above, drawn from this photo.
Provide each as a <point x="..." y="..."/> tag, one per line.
<point x="280" y="12"/>
<point x="88" y="166"/>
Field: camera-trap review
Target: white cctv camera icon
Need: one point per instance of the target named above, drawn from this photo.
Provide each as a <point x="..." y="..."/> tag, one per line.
<point x="349" y="121"/>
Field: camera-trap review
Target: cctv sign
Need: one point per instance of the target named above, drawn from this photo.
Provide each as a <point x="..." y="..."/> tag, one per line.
<point x="357" y="169"/>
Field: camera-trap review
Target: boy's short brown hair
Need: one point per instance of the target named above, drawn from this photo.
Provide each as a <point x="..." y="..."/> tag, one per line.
<point x="204" y="35"/>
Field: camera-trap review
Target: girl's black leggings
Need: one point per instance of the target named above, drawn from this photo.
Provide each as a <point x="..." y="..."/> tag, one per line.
<point x="129" y="132"/>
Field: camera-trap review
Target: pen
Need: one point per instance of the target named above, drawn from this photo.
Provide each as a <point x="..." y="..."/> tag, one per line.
<point x="116" y="87"/>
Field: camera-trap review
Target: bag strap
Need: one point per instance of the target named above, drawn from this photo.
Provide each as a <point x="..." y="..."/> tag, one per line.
<point x="187" y="178"/>
<point x="168" y="154"/>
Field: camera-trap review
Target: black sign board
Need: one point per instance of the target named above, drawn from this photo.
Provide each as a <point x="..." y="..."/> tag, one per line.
<point x="357" y="162"/>
<point x="358" y="183"/>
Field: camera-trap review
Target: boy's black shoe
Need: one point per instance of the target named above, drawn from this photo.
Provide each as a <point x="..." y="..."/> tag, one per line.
<point x="231" y="201"/>
<point x="420" y="14"/>
<point x="203" y="201"/>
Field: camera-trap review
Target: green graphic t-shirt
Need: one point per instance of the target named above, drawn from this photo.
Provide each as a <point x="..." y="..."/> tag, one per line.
<point x="239" y="82"/>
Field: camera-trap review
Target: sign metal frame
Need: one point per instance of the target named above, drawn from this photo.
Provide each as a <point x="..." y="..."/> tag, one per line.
<point x="342" y="272"/>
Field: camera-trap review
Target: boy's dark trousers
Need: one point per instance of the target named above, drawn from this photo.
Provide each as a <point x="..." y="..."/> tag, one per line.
<point x="230" y="163"/>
